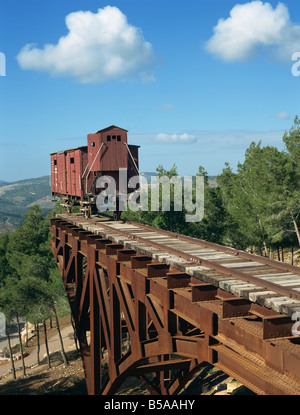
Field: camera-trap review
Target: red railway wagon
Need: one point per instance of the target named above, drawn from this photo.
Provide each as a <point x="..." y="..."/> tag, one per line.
<point x="66" y="171"/>
<point x="74" y="172"/>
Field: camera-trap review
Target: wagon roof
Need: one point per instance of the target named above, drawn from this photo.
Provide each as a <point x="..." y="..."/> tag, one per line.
<point x="110" y="128"/>
<point x="69" y="149"/>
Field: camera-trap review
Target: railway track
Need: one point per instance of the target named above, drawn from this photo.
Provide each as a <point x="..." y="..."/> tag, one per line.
<point x="269" y="283"/>
<point x="181" y="301"/>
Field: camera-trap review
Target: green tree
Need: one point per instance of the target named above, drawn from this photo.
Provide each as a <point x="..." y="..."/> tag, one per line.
<point x="211" y="227"/>
<point x="5" y="268"/>
<point x="168" y="217"/>
<point x="261" y="199"/>
<point x="29" y="244"/>
<point x="245" y="194"/>
<point x="156" y="214"/>
<point x="12" y="305"/>
<point x="174" y="219"/>
<point x="29" y="255"/>
<point x="291" y="140"/>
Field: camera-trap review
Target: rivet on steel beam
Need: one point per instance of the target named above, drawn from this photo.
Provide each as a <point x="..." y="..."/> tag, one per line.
<point x="111" y="249"/>
<point x="178" y="280"/>
<point x="101" y="243"/>
<point x="157" y="270"/>
<point x="274" y="327"/>
<point x="82" y="235"/>
<point x="125" y="254"/>
<point x="235" y="307"/>
<point x="140" y="261"/>
<point x="203" y="292"/>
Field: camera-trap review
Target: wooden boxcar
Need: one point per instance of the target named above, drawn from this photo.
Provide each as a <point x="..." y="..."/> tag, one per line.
<point x="74" y="172"/>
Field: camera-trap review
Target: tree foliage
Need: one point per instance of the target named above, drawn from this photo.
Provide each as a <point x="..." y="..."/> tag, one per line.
<point x="211" y="227"/>
<point x="262" y="197"/>
<point x="30" y="283"/>
<point x="256" y="206"/>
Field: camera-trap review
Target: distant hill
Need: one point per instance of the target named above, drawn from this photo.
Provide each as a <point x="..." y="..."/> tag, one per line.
<point x="17" y="197"/>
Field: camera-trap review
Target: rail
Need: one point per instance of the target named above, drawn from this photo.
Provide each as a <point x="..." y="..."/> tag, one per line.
<point x="181" y="302"/>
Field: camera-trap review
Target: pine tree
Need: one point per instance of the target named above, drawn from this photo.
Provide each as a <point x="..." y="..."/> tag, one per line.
<point x="212" y="227"/>
<point x="29" y="256"/>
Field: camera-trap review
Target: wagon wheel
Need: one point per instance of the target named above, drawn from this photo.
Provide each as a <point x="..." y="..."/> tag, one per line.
<point x="117" y="215"/>
<point x="88" y="212"/>
<point x="69" y="207"/>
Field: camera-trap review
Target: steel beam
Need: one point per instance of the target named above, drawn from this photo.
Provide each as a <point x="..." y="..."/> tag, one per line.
<point x="146" y="319"/>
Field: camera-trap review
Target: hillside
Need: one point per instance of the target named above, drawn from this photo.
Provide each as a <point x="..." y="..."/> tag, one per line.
<point x="17" y="197"/>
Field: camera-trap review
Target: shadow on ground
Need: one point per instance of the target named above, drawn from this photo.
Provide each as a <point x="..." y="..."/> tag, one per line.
<point x="59" y="380"/>
<point x="207" y="379"/>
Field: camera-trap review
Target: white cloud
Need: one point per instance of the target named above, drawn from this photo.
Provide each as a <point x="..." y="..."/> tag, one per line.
<point x="282" y="115"/>
<point x="12" y="144"/>
<point x="251" y="26"/>
<point x="98" y="47"/>
<point x="176" y="138"/>
<point x="166" y="107"/>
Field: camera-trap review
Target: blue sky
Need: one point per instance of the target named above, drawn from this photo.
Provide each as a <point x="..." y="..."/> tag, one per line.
<point x="190" y="88"/>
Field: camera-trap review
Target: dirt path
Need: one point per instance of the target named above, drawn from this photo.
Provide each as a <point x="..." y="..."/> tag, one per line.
<point x="53" y="344"/>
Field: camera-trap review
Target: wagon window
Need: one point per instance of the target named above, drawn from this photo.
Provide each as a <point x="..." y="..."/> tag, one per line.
<point x="118" y="138"/>
<point x="108" y="138"/>
<point x="55" y="162"/>
<point x="72" y="160"/>
<point x="113" y="137"/>
<point x="93" y="144"/>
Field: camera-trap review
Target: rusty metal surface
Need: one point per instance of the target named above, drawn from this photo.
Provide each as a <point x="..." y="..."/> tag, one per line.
<point x="113" y="154"/>
<point x="74" y="171"/>
<point x="159" y="323"/>
<point x="67" y="168"/>
<point x="214" y="266"/>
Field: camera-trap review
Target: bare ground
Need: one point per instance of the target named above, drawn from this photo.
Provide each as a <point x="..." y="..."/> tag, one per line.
<point x="39" y="379"/>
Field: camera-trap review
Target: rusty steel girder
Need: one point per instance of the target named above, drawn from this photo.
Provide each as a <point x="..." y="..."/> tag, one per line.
<point x="150" y="320"/>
